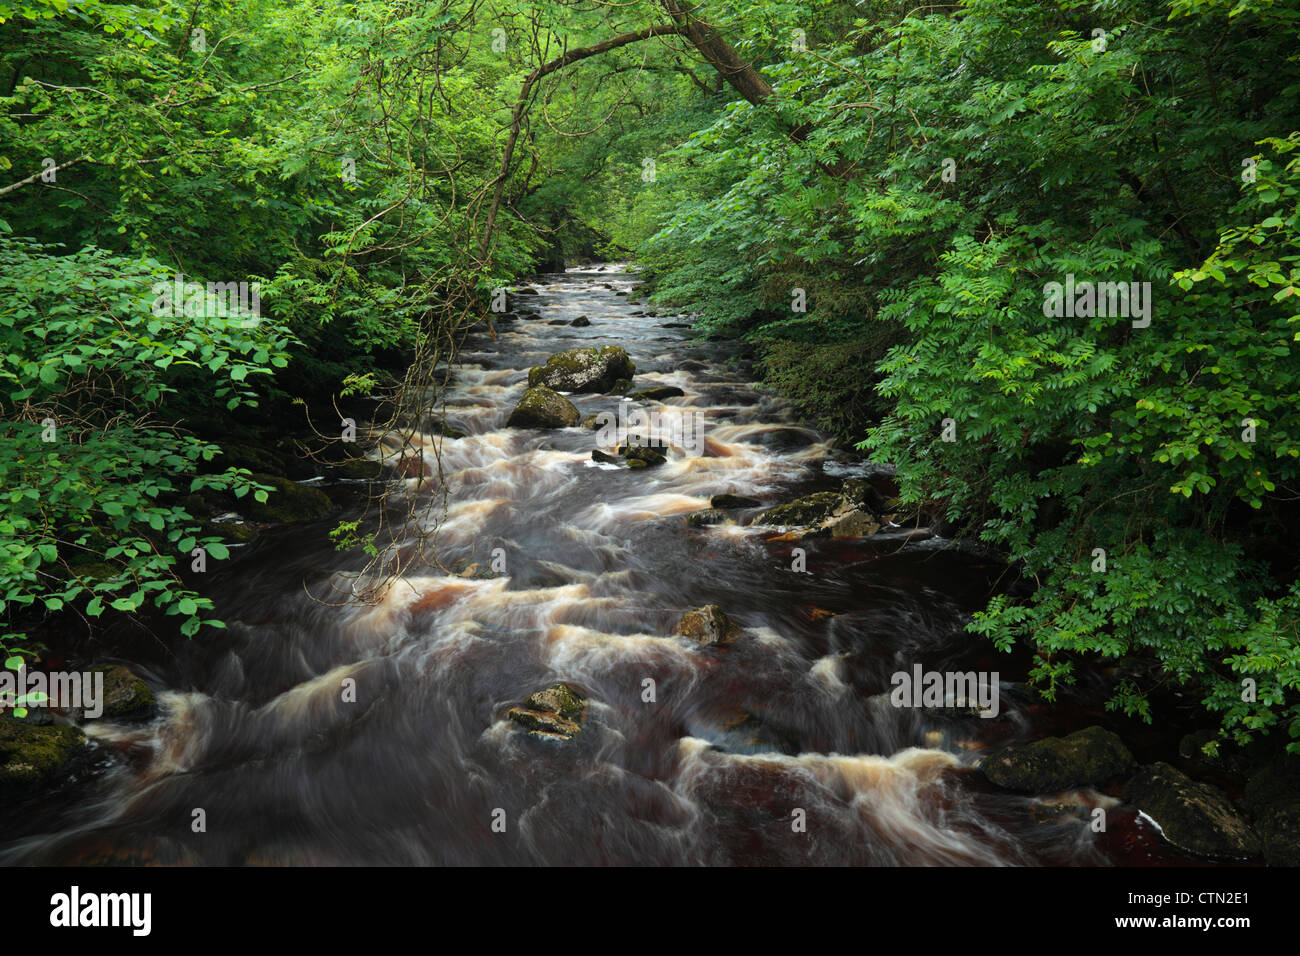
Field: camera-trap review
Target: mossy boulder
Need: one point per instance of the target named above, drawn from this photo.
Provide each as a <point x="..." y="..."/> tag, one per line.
<point x="855" y="524"/>
<point x="289" y="503"/>
<point x="126" y="696"/>
<point x="541" y="407"/>
<point x="808" y="510"/>
<point x="1089" y="756"/>
<point x="1273" y="797"/>
<point x="557" y="713"/>
<point x="33" y="757"/>
<point x="359" y="469"/>
<point x="598" y="455"/>
<point x="709" y="625"/>
<point x="1191" y="815"/>
<point x="583" y="370"/>
<point x="252" y="457"/>
<point x="234" y="531"/>
<point x="863" y="495"/>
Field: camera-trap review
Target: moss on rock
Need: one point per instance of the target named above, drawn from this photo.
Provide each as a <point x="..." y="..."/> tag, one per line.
<point x="1191" y="815"/>
<point x="584" y="370"/>
<point x="34" y="756"/>
<point x="289" y="503"/>
<point x="541" y="407"/>
<point x="1089" y="756"/>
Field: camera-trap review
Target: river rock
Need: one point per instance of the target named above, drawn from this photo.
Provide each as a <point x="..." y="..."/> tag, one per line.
<point x="598" y="455"/>
<point x="855" y="524"/>
<point x="650" y="456"/>
<point x="709" y="625"/>
<point x="1193" y="816"/>
<point x="126" y="696"/>
<point x="1089" y="756"/>
<point x="290" y="502"/>
<point x="581" y="322"/>
<point x="808" y="510"/>
<point x="863" y="495"/>
<point x="591" y="422"/>
<point x="543" y="408"/>
<point x="526" y="290"/>
<point x="33" y="757"/>
<point x="658" y="393"/>
<point x="583" y="370"/>
<point x="698" y="519"/>
<point x="1273" y="796"/>
<point x="557" y="713"/>
<point x="733" y="501"/>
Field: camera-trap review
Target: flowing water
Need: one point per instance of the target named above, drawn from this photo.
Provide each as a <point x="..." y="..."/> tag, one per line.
<point x="782" y="748"/>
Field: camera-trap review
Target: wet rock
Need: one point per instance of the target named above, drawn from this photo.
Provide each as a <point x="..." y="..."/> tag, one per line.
<point x="557" y="713"/>
<point x="33" y="757"/>
<point x="621" y="387"/>
<point x="591" y="422"/>
<point x="698" y="519"/>
<point x="252" y="457"/>
<point x="808" y="510"/>
<point x="583" y="370"/>
<point x="658" y="394"/>
<point x="1089" y="756"/>
<point x="543" y="408"/>
<point x="1193" y="816"/>
<point x="650" y="456"/>
<point x="863" y="495"/>
<point x="733" y="501"/>
<point x="598" y="455"/>
<point x="289" y="503"/>
<point x="465" y="568"/>
<point x="675" y="325"/>
<point x="708" y="625"/>
<point x="1273" y="796"/>
<point x="581" y="322"/>
<point x="126" y="696"/>
<point x="527" y="290"/>
<point x="363" y="469"/>
<point x="558" y="322"/>
<point x="855" y="524"/>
